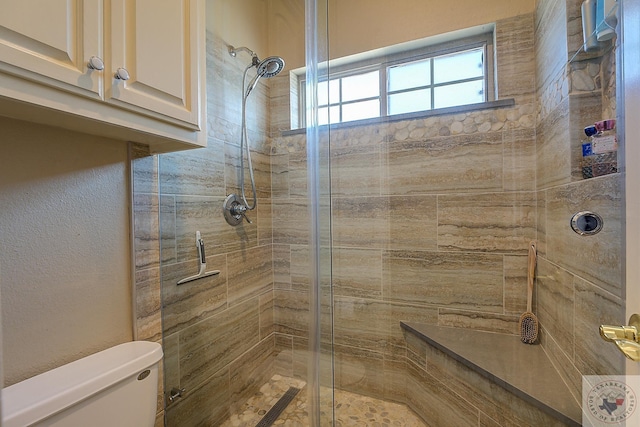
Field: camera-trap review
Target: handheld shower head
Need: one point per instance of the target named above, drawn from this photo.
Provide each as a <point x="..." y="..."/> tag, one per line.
<point x="267" y="68"/>
<point x="270" y="66"/>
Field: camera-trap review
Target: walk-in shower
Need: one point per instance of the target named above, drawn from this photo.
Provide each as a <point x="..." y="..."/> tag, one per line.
<point x="342" y="301"/>
<point x="235" y="208"/>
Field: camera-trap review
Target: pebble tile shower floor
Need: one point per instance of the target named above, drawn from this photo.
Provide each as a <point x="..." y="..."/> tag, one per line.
<point x="350" y="409"/>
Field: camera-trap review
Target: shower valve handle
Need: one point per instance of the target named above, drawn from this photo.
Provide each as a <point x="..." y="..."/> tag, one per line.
<point x="241" y="210"/>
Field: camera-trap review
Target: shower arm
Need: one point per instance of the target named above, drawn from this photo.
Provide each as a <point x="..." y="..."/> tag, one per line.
<point x="233" y="51"/>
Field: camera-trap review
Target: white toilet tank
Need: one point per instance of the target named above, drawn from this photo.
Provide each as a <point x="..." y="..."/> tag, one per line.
<point x="115" y="387"/>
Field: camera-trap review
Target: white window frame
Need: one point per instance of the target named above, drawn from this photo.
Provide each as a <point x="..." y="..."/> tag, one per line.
<point x="383" y="62"/>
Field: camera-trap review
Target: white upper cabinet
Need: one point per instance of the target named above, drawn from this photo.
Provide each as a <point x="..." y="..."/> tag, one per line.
<point x="152" y="44"/>
<point x="50" y="41"/>
<point x="128" y="69"/>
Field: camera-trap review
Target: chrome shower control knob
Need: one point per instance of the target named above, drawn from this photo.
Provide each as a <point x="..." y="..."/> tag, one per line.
<point x="95" y="63"/>
<point x="234" y="211"/>
<point x="122" y="74"/>
<point x="240" y="210"/>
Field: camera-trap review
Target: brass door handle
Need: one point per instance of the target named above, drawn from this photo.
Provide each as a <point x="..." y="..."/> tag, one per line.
<point x="626" y="338"/>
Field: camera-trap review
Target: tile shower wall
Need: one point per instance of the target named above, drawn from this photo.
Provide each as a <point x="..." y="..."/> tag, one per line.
<point x="431" y="220"/>
<point x="218" y="331"/>
<point x="579" y="285"/>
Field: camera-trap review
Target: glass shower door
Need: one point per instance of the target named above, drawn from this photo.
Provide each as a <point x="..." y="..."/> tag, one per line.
<point x="433" y="210"/>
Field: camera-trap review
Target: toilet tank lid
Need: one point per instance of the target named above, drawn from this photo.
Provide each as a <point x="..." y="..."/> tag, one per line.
<point x="38" y="397"/>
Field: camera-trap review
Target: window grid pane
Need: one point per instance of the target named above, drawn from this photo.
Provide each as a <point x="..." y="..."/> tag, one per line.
<point x="410" y="101"/>
<point x="360" y="86"/>
<point x="457" y="79"/>
<point x="441" y="81"/>
<point x="459" y="94"/>
<point x="361" y="110"/>
<point x="458" y="66"/>
<point x="411" y="75"/>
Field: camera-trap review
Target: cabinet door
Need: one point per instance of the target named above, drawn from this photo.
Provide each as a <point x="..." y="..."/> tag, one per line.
<point x="51" y="41"/>
<point x="158" y="43"/>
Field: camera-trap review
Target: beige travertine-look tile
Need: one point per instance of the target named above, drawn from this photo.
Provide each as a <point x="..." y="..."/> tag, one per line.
<point x="359" y="370"/>
<point x="595" y="307"/>
<point x="519" y="159"/>
<point x="290" y="221"/>
<point x="357" y="272"/>
<point x="454" y="280"/>
<point x="563" y="362"/>
<point x="361" y="323"/>
<point x="413" y="222"/>
<point x="435" y="402"/>
<point x="281" y="266"/>
<point x="360" y="221"/>
<point x="206" y="404"/>
<point x="299" y="278"/>
<point x="551" y="40"/>
<point x="515" y="56"/>
<point x="597" y="258"/>
<point x="248" y="372"/>
<point x="515" y="283"/>
<point x="481" y="321"/>
<point x="171" y="360"/>
<point x="444" y="164"/>
<point x="186" y="304"/>
<point x="480" y="394"/>
<point x="195" y="172"/>
<point x="291" y="311"/>
<point x="556" y="298"/>
<point x="213" y="343"/>
<point x="250" y="273"/>
<point x="553" y="142"/>
<point x="353" y="165"/>
<point x="146" y="231"/>
<point x="267" y="326"/>
<point x="493" y="222"/>
<point x="148" y="305"/>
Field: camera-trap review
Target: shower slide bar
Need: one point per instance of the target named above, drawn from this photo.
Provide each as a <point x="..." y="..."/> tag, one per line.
<point x="202" y="262"/>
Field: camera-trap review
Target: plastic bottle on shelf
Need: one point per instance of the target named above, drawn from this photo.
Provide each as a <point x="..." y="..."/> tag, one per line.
<point x="600" y="152"/>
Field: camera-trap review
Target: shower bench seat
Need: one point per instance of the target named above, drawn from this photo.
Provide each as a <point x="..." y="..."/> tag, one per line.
<point x="523" y="370"/>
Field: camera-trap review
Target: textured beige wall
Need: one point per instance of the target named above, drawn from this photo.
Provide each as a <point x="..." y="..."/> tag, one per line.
<point x="64" y="254"/>
<point x="362" y="25"/>
<point x="240" y="23"/>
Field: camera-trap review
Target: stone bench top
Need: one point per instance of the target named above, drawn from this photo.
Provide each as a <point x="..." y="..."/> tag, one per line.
<point x="523" y="369"/>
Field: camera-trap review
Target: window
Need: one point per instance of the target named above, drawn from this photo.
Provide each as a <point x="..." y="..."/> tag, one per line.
<point x="451" y="74"/>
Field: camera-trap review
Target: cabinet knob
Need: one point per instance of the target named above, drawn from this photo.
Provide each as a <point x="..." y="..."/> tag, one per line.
<point x="95" y="63"/>
<point x="122" y="74"/>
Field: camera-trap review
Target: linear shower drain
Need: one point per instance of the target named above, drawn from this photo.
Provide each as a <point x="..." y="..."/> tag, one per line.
<point x="282" y="403"/>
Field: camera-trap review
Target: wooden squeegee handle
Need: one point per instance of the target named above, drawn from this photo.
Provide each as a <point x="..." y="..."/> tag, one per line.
<point x="531" y="268"/>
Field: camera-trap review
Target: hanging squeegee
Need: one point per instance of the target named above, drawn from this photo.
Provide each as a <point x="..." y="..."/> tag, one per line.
<point x="202" y="262"/>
